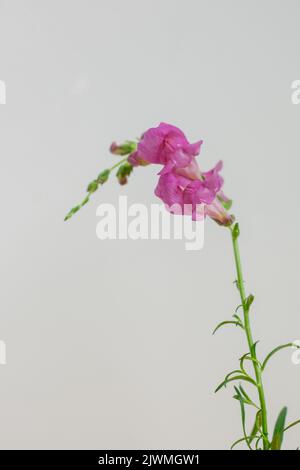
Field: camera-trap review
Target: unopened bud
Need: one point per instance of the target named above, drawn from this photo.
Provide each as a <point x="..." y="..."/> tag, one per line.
<point x="123" y="173"/>
<point x="103" y="176"/>
<point x="92" y="187"/>
<point x="236" y="231"/>
<point x="123" y="149"/>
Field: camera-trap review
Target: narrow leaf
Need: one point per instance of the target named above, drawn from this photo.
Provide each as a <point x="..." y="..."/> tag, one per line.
<point x="279" y="430"/>
<point x="243" y="414"/>
<point x="238" y="319"/>
<point x="248" y="357"/>
<point x="236" y="371"/>
<point x="241" y="440"/>
<point x="292" y="424"/>
<point x="256" y="426"/>
<point x="236" y="323"/>
<point x="258" y="441"/>
<point x="288" y="345"/>
<point x="247" y="398"/>
<point x="237" y="377"/>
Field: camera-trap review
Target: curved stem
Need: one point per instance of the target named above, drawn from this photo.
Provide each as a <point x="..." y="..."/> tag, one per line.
<point x="256" y="366"/>
<point x="118" y="163"/>
<point x="91" y="191"/>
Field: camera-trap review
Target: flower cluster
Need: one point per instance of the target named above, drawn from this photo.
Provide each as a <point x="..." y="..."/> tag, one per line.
<point x="182" y="186"/>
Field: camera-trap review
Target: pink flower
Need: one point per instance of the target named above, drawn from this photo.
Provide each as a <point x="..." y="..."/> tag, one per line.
<point x="170" y="189"/>
<point x="184" y="195"/>
<point x="181" y="186"/>
<point x="192" y="171"/>
<point x="168" y="146"/>
<point x="135" y="160"/>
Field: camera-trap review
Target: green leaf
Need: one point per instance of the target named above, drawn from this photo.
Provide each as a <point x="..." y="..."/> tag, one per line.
<point x="237" y="377"/>
<point x="227" y="323"/>
<point x="241" y="440"/>
<point x="242" y="359"/>
<point x="258" y="441"/>
<point x="292" y="424"/>
<point x="279" y="430"/>
<point x="237" y="371"/>
<point x="247" y="398"/>
<point x="243" y="414"/>
<point x="253" y="349"/>
<point x="238" y="318"/>
<point x="248" y="357"/>
<point x="274" y="351"/>
<point x="256" y="426"/>
<point x="247" y="402"/>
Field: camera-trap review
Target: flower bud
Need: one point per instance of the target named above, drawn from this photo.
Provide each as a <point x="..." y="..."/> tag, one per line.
<point x="123" y="173"/>
<point x="236" y="231"/>
<point x="103" y="176"/>
<point x="92" y="187"/>
<point x="123" y="149"/>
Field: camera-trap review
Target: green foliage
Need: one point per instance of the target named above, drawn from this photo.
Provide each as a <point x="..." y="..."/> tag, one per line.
<point x="248" y="357"/>
<point x="243" y="415"/>
<point x="279" y="430"/>
<point x="292" y="425"/>
<point x="227" y="322"/>
<point x="256" y="427"/>
<point x="247" y="399"/>
<point x="274" y="351"/>
<point x="243" y="439"/>
<point x="246" y="378"/>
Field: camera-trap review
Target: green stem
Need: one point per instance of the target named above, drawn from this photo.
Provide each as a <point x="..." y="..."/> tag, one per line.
<point x="92" y="190"/>
<point x="256" y="366"/>
<point x="118" y="163"/>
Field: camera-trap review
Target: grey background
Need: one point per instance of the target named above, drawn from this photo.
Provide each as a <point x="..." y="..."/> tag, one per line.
<point x="109" y="343"/>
